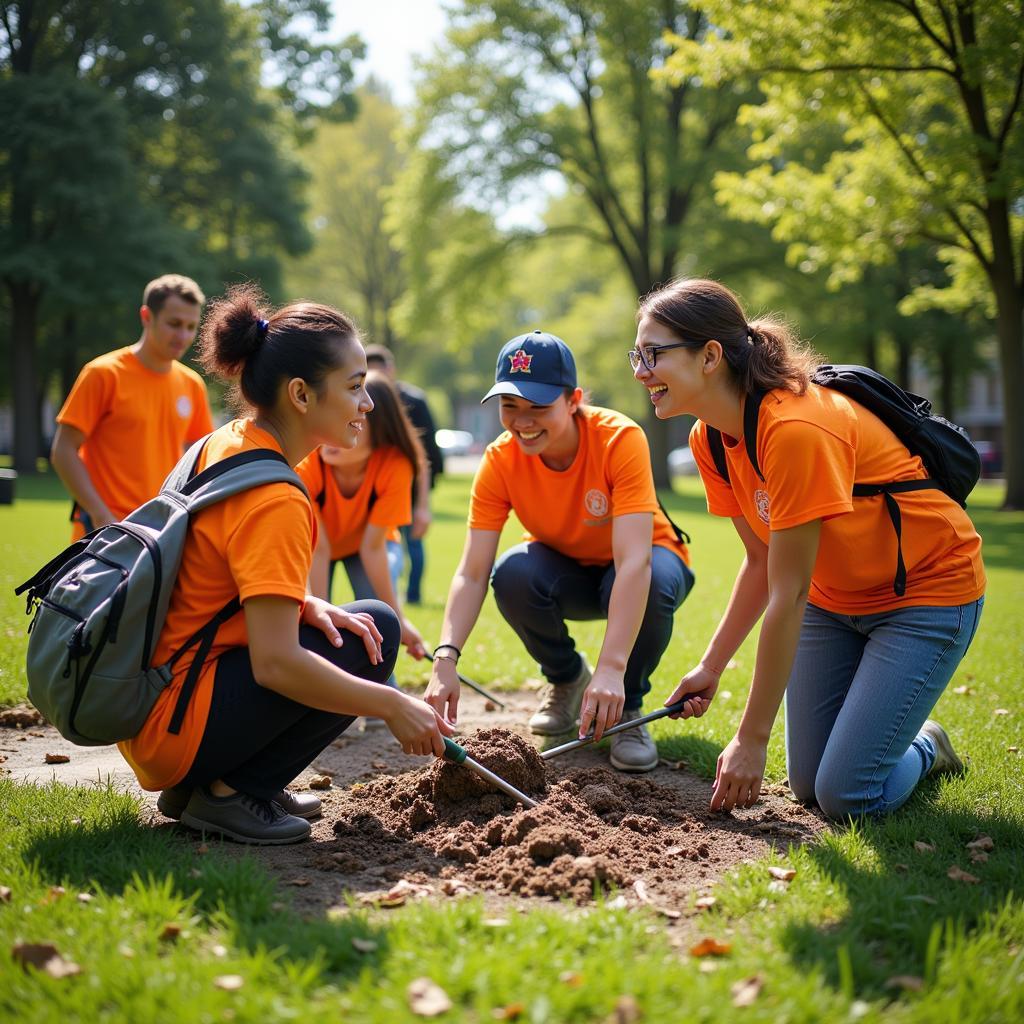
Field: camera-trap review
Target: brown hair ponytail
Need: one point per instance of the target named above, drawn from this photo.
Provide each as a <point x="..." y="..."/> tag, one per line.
<point x="389" y="423"/>
<point x="761" y="354"/>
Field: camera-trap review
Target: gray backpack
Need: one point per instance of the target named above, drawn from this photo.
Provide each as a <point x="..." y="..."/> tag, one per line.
<point x="100" y="605"/>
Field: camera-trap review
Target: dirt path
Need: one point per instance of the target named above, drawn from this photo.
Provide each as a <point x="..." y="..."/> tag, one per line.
<point x="593" y="826"/>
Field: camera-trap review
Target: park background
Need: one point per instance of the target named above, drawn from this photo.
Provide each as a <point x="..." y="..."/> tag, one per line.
<point x="857" y="165"/>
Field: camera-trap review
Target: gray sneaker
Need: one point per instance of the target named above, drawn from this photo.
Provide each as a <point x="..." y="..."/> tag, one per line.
<point x="244" y="818"/>
<point x="633" y="750"/>
<point x="172" y="802"/>
<point x="946" y="759"/>
<point x="559" y="709"/>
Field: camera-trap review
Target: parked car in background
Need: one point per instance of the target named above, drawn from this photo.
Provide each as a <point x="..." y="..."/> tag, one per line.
<point x="991" y="457"/>
<point x="681" y="462"/>
<point x="454" y="442"/>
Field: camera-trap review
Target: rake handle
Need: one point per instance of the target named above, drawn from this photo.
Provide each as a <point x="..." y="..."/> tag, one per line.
<point x="670" y="709"/>
<point x="474" y="686"/>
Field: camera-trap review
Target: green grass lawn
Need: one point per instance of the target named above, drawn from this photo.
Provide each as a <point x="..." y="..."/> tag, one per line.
<point x="864" y="908"/>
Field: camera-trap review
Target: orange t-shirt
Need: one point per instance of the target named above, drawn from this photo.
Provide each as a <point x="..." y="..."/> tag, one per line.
<point x="384" y="498"/>
<point x="812" y="448"/>
<point x="572" y="510"/>
<point x="137" y="424"/>
<point x="256" y="544"/>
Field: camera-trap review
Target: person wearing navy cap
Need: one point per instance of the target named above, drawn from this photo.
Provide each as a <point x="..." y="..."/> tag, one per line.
<point x="598" y="546"/>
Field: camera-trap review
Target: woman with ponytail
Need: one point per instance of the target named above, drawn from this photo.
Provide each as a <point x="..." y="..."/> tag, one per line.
<point x="860" y="665"/>
<point x="288" y="673"/>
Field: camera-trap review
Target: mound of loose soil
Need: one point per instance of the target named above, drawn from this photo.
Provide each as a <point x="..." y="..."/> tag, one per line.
<point x="593" y="829"/>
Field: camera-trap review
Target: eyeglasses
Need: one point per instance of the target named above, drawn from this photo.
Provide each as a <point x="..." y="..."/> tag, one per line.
<point x="649" y="356"/>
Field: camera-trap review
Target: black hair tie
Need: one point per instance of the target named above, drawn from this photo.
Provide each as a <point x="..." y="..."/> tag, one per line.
<point x="262" y="326"/>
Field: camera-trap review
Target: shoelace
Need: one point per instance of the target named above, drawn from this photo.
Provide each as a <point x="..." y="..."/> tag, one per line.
<point x="267" y="810"/>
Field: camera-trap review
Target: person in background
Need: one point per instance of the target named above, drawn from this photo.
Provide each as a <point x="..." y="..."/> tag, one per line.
<point x="860" y="659"/>
<point x="415" y="402"/>
<point x="132" y="412"/>
<point x="363" y="495"/>
<point x="599" y="546"/>
<point x="289" y="672"/>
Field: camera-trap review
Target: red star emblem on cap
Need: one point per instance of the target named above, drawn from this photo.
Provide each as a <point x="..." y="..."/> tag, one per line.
<point x="520" y="362"/>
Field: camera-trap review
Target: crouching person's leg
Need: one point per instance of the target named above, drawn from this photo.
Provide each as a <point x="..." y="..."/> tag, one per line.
<point x="257" y="741"/>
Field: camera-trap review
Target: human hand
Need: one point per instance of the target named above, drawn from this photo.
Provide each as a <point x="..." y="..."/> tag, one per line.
<point x="417" y="726"/>
<point x="421" y="520"/>
<point x="330" y="619"/>
<point x="698" y="688"/>
<point x="602" y="702"/>
<point x="739" y="774"/>
<point x="412" y="640"/>
<point x="443" y="689"/>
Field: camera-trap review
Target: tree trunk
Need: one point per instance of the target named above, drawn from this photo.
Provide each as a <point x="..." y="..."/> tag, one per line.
<point x="903" y="363"/>
<point x="657" y="437"/>
<point x="1010" y="332"/>
<point x="69" y="366"/>
<point x="947" y="381"/>
<point x="24" y="318"/>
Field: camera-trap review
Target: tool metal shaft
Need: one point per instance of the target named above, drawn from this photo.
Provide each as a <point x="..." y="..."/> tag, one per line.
<point x="496" y="780"/>
<point x="621" y="727"/>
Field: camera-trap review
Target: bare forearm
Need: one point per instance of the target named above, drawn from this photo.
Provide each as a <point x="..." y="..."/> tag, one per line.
<point x="776" y="649"/>
<point x="308" y="679"/>
<point x="374" y="557"/>
<point x="746" y="605"/>
<point x="626" y="607"/>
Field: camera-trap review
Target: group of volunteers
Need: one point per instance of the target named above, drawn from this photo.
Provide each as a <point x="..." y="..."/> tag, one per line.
<point x="861" y="662"/>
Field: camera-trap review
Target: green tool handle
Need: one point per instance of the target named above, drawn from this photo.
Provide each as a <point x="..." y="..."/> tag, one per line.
<point x="671" y="709"/>
<point x="453" y="752"/>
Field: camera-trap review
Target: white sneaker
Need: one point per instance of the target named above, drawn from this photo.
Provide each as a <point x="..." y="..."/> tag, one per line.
<point x="946" y="759"/>
<point x="633" y="750"/>
<point x="559" y="710"/>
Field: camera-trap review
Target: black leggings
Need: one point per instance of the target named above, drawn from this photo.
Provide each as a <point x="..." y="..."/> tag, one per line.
<point x="258" y="741"/>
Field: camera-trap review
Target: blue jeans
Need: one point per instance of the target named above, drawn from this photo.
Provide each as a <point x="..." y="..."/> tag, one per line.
<point x="537" y="589"/>
<point x="414" y="545"/>
<point x="362" y="589"/>
<point x="860" y="690"/>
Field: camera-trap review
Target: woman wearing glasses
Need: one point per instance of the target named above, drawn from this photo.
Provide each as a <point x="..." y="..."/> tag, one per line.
<point x="861" y="657"/>
<point x="598" y="547"/>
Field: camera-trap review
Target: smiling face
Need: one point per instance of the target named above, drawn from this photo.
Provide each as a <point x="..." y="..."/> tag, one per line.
<point x="337" y="416"/>
<point x="678" y="378"/>
<point x="542" y="429"/>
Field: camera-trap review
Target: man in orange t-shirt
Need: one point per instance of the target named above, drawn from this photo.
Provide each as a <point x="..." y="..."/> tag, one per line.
<point x="132" y="412"/>
<point x="598" y="546"/>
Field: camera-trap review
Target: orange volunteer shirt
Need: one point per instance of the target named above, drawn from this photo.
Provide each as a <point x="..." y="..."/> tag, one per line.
<point x="137" y="423"/>
<point x="812" y="449"/>
<point x="384" y="498"/>
<point x="572" y="510"/>
<point x="256" y="544"/>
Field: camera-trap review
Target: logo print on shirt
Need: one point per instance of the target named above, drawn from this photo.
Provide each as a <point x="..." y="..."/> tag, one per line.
<point x="597" y="503"/>
<point x="183" y="406"/>
<point x="520" y="362"/>
<point x="763" y="503"/>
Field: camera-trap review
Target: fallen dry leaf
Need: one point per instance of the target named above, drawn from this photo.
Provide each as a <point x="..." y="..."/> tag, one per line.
<point x="489" y="705"/>
<point x="964" y="691"/>
<point x="85" y="897"/>
<point x="320" y="782"/>
<point x="782" y="874"/>
<point x="229" y="982"/>
<point x="56" y="758"/>
<point x="978" y="856"/>
<point x="203" y="849"/>
<point x="640" y="888"/>
<point x="379" y="900"/>
<point x="297" y="882"/>
<point x="901" y="867"/>
<point x="56" y="892"/>
<point x="922" y="847"/>
<point x="982" y="843"/>
<point x="363" y="945"/>
<point x="426" y="998"/>
<point x="626" y="1011"/>
<point x="710" y="947"/>
<point x="495" y="922"/>
<point x="455" y="887"/>
<point x="44" y="956"/>
<point x="379" y="765"/>
<point x="957" y="874"/>
<point x="908" y="982"/>
<point x="1012" y="750"/>
<point x="746" y="991"/>
<point x="511" y="1012"/>
<point x="571" y="978"/>
<point x="1001" y="711"/>
<point x="5" y="894"/>
<point x="705" y="902"/>
<point x="170" y="932"/>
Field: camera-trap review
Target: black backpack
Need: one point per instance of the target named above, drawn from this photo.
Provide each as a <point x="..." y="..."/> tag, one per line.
<point x="949" y="456"/>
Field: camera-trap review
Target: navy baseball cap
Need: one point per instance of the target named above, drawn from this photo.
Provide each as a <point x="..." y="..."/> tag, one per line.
<point x="535" y="366"/>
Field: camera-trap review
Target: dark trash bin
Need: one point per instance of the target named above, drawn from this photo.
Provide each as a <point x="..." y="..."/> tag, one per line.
<point x="7" y="479"/>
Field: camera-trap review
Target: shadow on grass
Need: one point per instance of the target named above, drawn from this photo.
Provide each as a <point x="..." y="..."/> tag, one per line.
<point x="903" y="910"/>
<point x="110" y="849"/>
<point x="1004" y="537"/>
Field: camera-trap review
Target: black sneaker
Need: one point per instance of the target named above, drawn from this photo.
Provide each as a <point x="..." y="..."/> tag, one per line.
<point x="172" y="802"/>
<point x="244" y="818"/>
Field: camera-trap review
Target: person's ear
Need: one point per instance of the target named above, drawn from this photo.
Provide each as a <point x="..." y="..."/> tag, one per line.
<point x="575" y="401"/>
<point x="298" y="395"/>
<point x="713" y="356"/>
<point x="145" y="315"/>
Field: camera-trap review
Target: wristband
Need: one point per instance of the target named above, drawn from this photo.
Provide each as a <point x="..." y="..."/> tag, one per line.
<point x="448" y="647"/>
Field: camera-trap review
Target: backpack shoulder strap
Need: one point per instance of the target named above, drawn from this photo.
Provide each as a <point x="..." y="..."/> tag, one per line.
<point x="238" y="473"/>
<point x="681" y="535"/>
<point x="751" y="413"/>
<point x="717" y="446"/>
